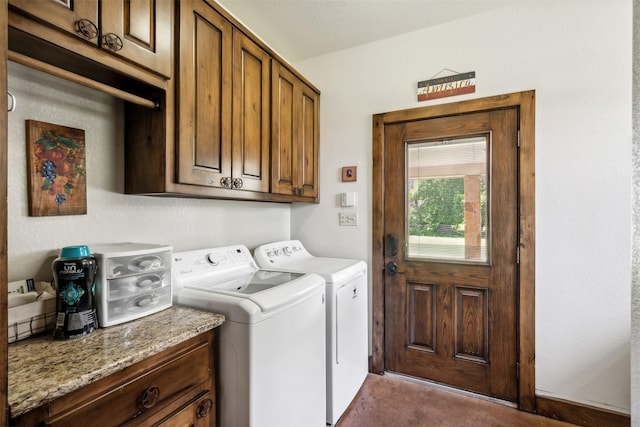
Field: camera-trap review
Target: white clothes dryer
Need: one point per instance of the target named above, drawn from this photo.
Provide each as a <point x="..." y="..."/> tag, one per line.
<point x="347" y="316"/>
<point x="272" y="343"/>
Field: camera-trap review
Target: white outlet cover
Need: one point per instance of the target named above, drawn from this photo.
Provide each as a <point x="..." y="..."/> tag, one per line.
<point x="348" y="218"/>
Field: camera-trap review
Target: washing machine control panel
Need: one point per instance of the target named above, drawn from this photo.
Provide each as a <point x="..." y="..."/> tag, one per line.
<point x="274" y="254"/>
<point x="206" y="262"/>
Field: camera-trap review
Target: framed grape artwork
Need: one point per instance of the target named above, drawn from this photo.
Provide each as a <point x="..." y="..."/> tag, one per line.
<point x="56" y="169"/>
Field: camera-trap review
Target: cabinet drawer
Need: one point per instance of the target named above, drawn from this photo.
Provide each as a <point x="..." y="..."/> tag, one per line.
<point x="132" y="286"/>
<point x="136" y="398"/>
<point x="152" y="262"/>
<point x="199" y="412"/>
<point x="137" y="305"/>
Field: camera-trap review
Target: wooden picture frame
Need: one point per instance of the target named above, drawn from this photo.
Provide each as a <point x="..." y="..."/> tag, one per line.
<point x="56" y="169"/>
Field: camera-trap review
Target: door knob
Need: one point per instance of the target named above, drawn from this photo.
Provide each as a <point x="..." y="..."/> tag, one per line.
<point x="392" y="268"/>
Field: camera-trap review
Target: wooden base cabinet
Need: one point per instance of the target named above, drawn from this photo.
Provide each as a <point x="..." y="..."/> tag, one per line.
<point x="174" y="387"/>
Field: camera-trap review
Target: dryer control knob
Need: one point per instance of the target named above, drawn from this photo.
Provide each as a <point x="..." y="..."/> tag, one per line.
<point x="287" y="250"/>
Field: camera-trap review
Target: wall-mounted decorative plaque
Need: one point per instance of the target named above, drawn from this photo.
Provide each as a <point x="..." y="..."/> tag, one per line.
<point x="441" y="87"/>
<point x="56" y="170"/>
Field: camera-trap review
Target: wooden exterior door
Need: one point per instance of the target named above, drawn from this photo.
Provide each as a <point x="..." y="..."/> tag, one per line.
<point x="451" y="250"/>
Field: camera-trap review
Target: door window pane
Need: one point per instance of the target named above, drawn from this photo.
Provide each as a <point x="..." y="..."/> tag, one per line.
<point x="447" y="199"/>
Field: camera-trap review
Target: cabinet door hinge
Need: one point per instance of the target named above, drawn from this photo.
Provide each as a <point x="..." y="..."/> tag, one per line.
<point x="518" y="138"/>
<point x="518" y="254"/>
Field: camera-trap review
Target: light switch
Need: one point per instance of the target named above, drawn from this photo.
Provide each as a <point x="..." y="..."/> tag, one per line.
<point x="348" y="199"/>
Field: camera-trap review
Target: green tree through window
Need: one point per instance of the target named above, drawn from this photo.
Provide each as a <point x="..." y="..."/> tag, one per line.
<point x="440" y="201"/>
<point x="435" y="202"/>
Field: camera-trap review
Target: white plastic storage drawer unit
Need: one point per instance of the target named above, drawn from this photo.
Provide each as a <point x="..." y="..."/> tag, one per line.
<point x="133" y="280"/>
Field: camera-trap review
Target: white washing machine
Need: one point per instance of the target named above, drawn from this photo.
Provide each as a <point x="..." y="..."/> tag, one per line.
<point x="272" y="343"/>
<point x="347" y="316"/>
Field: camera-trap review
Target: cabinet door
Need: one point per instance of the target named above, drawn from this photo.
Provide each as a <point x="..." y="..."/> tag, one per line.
<point x="295" y="135"/>
<point x="140" y="31"/>
<point x="251" y="94"/>
<point x="308" y="139"/>
<point x="72" y="16"/>
<point x="204" y="96"/>
<point x="283" y="133"/>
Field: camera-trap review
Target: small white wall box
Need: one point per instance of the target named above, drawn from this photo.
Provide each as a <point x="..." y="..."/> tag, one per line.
<point x="133" y="280"/>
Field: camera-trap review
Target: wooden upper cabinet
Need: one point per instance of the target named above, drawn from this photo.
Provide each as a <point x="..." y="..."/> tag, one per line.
<point x="139" y="31"/>
<point x="223" y="103"/>
<point x="295" y="136"/>
<point x="251" y="114"/>
<point x="204" y="96"/>
<point x="79" y="17"/>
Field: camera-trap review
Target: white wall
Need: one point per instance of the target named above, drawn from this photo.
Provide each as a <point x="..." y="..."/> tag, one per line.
<point x="576" y="54"/>
<point x="635" y="276"/>
<point x="111" y="215"/>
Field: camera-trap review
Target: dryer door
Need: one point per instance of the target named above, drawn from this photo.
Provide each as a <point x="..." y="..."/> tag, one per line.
<point x="350" y="365"/>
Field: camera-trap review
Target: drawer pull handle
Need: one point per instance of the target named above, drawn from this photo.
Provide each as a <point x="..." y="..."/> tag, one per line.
<point x="112" y="41"/>
<point x="204" y="408"/>
<point x="87" y="28"/>
<point x="149" y="397"/>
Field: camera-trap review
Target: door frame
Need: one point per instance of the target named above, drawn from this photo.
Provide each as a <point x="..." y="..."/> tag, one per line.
<point x="525" y="103"/>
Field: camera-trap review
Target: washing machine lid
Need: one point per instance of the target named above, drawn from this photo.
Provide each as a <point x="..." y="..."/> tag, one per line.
<point x="267" y="289"/>
<point x="214" y="277"/>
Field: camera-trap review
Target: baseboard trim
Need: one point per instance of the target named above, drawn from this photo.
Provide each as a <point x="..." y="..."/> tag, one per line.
<point x="579" y="414"/>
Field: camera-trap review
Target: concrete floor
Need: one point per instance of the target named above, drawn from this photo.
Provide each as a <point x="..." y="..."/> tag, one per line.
<point x="391" y="401"/>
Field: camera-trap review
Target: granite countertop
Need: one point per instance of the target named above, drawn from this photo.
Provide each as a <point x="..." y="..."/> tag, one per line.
<point x="42" y="368"/>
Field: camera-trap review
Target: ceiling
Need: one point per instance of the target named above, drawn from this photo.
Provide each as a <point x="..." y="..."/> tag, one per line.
<point x="301" y="29"/>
